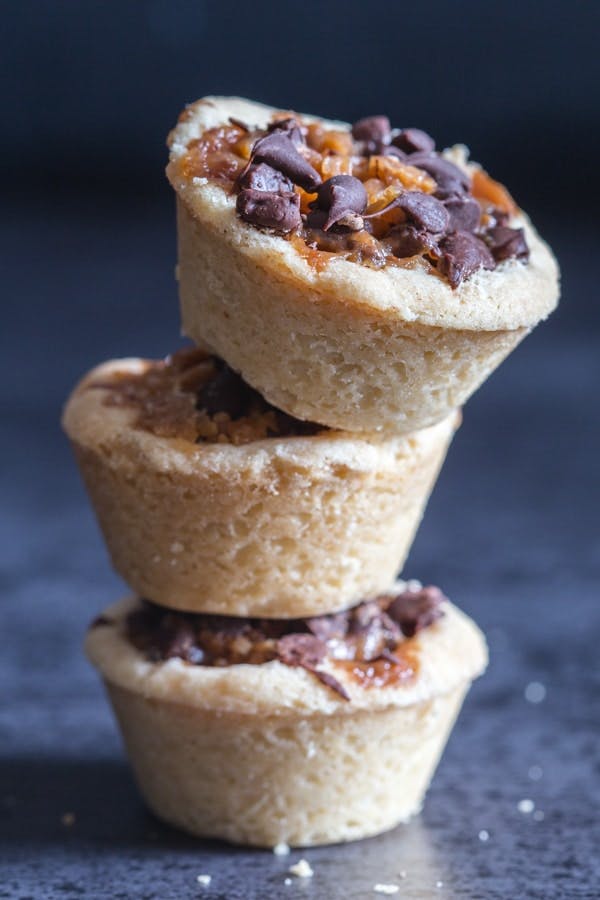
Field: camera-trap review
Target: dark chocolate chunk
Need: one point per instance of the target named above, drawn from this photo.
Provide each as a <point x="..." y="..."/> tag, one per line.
<point x="413" y="140"/>
<point x="463" y="254"/>
<point x="376" y="629"/>
<point x="289" y="127"/>
<point x="333" y="683"/>
<point x="507" y="242"/>
<point x="415" y="610"/>
<point x="277" y="149"/>
<point x="304" y="650"/>
<point x="406" y="240"/>
<point x="340" y="196"/>
<point x="373" y="130"/>
<point x="267" y="209"/>
<point x="261" y="177"/>
<point x="427" y="213"/>
<point x="465" y="213"/>
<point x="176" y="638"/>
<point x="444" y="172"/>
<point x="390" y="150"/>
<point x="226" y="392"/>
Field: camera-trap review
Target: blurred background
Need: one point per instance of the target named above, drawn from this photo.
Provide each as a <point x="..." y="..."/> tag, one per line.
<point x="89" y="91"/>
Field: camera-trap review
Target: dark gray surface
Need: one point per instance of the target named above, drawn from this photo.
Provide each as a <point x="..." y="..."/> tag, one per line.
<point x="511" y="534"/>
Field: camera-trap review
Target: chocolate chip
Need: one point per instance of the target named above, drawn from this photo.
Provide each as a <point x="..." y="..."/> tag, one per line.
<point x="177" y="639"/>
<point x="373" y="130"/>
<point x="406" y="240"/>
<point x="425" y="211"/>
<point x="261" y="177"/>
<point x="463" y="254"/>
<point x="267" y="209"/>
<point x="413" y="140"/>
<point x="376" y="629"/>
<point x="289" y="127"/>
<point x="225" y="393"/>
<point x="444" y="172"/>
<point x="304" y="650"/>
<point x="339" y="196"/>
<point x="333" y="683"/>
<point x="451" y="188"/>
<point x="277" y="149"/>
<point x="390" y="150"/>
<point x="465" y="213"/>
<point x="506" y="243"/>
<point x="415" y="610"/>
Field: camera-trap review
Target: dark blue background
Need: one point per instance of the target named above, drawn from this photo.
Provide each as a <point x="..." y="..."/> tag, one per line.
<point x="88" y="249"/>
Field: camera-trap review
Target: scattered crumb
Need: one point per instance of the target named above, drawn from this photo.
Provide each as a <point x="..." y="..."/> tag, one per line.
<point x="301" y="869"/>
<point x="402" y="874"/>
<point x="386" y="888"/>
<point x="176" y="547"/>
<point x="535" y="692"/>
<point x="204" y="880"/>
<point x="526" y="806"/>
<point x="281" y="849"/>
<point x="288" y="881"/>
<point x="68" y="819"/>
<point x="535" y="772"/>
<point x="484" y="835"/>
<point x="539" y="815"/>
<point x="439" y="884"/>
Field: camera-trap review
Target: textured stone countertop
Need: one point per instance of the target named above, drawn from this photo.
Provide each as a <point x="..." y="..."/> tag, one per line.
<point x="511" y="534"/>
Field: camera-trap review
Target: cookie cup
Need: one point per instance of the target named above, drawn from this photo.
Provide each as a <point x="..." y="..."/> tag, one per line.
<point x="267" y="754"/>
<point x="333" y="341"/>
<point x="282" y="527"/>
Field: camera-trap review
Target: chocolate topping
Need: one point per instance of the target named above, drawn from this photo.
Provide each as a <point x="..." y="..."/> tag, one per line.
<point x="413" y="140"/>
<point x="371" y="640"/>
<point x="383" y="198"/>
<point x="278" y="150"/>
<point x="267" y="209"/>
<point x="507" y="242"/>
<point x="463" y="254"/>
<point x="425" y="211"/>
<point x="261" y="177"/>
<point x="194" y="396"/>
<point x="340" y="197"/>
<point x="464" y="213"/>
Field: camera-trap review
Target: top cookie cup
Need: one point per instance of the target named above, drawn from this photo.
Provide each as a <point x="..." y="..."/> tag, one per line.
<point x="350" y="340"/>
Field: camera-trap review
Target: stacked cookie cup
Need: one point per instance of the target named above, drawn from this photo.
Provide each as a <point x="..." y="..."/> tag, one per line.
<point x="260" y="490"/>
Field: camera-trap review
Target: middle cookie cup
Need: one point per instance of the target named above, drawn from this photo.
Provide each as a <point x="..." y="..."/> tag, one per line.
<point x="302" y="522"/>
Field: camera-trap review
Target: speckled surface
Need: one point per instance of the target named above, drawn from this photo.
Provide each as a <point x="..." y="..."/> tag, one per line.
<point x="511" y="533"/>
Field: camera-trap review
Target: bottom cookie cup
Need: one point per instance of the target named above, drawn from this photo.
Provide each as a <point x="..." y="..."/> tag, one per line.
<point x="299" y="749"/>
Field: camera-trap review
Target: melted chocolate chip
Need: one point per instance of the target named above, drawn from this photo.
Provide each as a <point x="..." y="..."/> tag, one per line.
<point x="415" y="610"/>
<point x="506" y="243"/>
<point x="445" y="173"/>
<point x="465" y="213"/>
<point x="413" y="140"/>
<point x="374" y="131"/>
<point x="267" y="209"/>
<point x="406" y="240"/>
<point x="338" y="197"/>
<point x="463" y="254"/>
<point x="427" y="213"/>
<point x="304" y="650"/>
<point x="278" y="150"/>
<point x="261" y="177"/>
<point x="289" y="127"/>
<point x="328" y="627"/>
<point x="226" y="392"/>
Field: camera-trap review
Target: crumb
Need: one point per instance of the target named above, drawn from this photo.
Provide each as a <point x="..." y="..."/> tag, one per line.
<point x="439" y="884"/>
<point x="535" y="692"/>
<point x="526" y="806"/>
<point x="538" y="815"/>
<point x="301" y="869"/>
<point x="402" y="874"/>
<point x="281" y="849"/>
<point x="204" y="880"/>
<point x="386" y="889"/>
<point x="68" y="819"/>
<point x="177" y="547"/>
<point x="287" y="881"/>
<point x="484" y="835"/>
<point x="535" y="773"/>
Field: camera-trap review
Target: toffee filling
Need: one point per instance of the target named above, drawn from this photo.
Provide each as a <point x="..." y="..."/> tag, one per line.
<point x="372" y="642"/>
<point x="196" y="397"/>
<point x="373" y="195"/>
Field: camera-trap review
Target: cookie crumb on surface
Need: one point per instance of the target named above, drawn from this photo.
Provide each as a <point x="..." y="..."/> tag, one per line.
<point x="204" y="880"/>
<point x="386" y="889"/>
<point x="301" y="869"/>
<point x="68" y="819"/>
<point x="526" y="806"/>
<point x="484" y="835"/>
<point x="281" y="849"/>
<point x="287" y="881"/>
